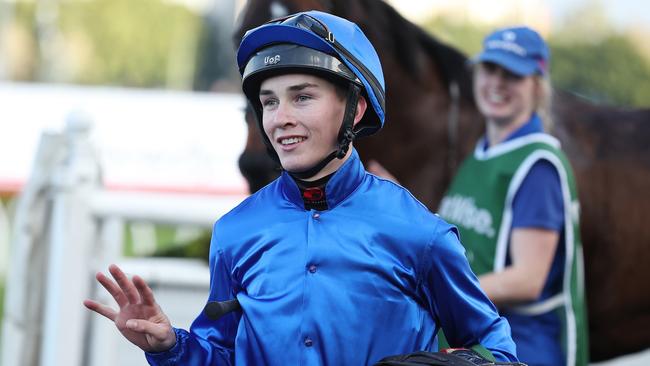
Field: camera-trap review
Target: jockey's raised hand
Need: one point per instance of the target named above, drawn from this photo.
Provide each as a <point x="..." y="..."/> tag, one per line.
<point x="139" y="318"/>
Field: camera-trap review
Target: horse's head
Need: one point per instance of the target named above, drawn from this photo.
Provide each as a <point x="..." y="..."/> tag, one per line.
<point x="257" y="12"/>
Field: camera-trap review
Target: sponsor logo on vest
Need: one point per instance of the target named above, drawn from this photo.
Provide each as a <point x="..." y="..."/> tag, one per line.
<point x="462" y="211"/>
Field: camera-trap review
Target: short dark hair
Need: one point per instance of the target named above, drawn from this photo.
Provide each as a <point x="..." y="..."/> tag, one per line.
<point x="341" y="87"/>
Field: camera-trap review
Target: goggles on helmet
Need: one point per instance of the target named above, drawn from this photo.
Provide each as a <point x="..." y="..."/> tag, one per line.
<point x="293" y="57"/>
<point x="307" y="22"/>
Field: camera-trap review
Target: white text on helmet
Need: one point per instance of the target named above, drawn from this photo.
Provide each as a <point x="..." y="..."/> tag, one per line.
<point x="271" y="60"/>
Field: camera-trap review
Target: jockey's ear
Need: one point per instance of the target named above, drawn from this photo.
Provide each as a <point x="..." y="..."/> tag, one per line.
<point x="362" y="105"/>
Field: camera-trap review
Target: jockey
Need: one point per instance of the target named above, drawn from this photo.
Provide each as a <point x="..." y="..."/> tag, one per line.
<point x="330" y="265"/>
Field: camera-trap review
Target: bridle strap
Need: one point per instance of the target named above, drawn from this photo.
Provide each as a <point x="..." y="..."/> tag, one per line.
<point x="452" y="126"/>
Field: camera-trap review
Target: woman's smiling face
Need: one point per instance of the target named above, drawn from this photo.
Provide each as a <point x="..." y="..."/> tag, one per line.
<point x="504" y="97"/>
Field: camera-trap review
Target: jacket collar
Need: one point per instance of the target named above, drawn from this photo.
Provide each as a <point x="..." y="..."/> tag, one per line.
<point x="339" y="187"/>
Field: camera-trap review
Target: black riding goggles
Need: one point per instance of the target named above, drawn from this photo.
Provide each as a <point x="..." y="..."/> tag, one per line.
<point x="317" y="27"/>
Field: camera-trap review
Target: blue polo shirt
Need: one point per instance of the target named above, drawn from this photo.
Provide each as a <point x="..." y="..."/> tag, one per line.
<point x="539" y="204"/>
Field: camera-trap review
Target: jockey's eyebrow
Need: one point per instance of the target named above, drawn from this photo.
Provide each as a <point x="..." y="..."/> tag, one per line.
<point x="266" y="92"/>
<point x="302" y="86"/>
<point x="297" y="87"/>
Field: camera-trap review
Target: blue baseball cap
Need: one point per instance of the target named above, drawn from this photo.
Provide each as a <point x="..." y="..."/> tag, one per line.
<point x="520" y="50"/>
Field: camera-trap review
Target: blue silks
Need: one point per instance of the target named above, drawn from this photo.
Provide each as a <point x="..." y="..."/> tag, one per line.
<point x="375" y="275"/>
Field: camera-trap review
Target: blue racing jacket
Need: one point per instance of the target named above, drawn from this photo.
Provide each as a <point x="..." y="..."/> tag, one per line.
<point x="376" y="274"/>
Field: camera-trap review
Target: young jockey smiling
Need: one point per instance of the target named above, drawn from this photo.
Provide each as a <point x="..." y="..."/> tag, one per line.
<point x="330" y="265"/>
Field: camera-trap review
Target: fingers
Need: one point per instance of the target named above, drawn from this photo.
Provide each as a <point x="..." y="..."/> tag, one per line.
<point x="126" y="291"/>
<point x="146" y="294"/>
<point x="101" y="309"/>
<point x="112" y="289"/>
<point x="125" y="284"/>
<point x="160" y="332"/>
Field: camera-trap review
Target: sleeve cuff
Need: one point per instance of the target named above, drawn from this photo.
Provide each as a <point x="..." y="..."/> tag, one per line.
<point x="169" y="357"/>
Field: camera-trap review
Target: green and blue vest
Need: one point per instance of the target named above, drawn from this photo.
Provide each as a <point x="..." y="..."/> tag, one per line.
<point x="479" y="203"/>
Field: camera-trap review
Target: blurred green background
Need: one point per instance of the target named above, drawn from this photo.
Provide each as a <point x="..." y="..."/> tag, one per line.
<point x="165" y="44"/>
<point x="589" y="55"/>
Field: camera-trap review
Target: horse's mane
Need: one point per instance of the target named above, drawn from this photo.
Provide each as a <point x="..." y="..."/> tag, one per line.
<point x="404" y="37"/>
<point x="390" y="32"/>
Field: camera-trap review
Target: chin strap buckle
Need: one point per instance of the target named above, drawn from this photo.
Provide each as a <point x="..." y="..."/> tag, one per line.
<point x="344" y="144"/>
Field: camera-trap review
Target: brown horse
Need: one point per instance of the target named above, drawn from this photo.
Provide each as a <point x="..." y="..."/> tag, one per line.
<point x="432" y="123"/>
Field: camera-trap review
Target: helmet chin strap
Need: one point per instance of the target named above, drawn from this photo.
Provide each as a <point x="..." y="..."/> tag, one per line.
<point x="345" y="137"/>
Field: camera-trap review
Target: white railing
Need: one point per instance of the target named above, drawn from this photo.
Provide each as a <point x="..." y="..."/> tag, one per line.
<point x="67" y="227"/>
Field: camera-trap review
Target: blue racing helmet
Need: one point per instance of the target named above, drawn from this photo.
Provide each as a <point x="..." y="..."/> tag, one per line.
<point x="330" y="46"/>
<point x="327" y="46"/>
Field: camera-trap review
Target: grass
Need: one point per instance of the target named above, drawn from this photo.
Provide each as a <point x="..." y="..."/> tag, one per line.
<point x="167" y="244"/>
